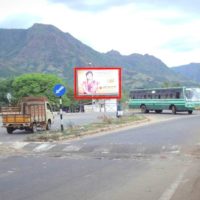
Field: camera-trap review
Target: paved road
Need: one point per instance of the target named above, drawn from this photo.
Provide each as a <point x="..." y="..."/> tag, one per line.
<point x="79" y="119"/>
<point x="157" y="161"/>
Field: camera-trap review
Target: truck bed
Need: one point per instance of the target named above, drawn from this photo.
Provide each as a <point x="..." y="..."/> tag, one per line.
<point x="25" y="114"/>
<point x="16" y="119"/>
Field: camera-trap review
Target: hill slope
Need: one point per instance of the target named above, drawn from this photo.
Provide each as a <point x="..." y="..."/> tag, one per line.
<point x="46" y="49"/>
<point x="191" y="71"/>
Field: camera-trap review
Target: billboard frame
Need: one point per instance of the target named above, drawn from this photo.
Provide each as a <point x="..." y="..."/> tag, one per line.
<point x="90" y="97"/>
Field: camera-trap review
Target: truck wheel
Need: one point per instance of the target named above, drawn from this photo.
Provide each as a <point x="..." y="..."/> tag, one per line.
<point x="34" y="128"/>
<point x="10" y="130"/>
<point x="48" y="127"/>
<point x="27" y="129"/>
<point x="174" y="110"/>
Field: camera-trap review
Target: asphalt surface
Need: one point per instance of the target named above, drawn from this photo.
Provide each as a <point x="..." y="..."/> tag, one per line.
<point x="71" y="119"/>
<point x="157" y="161"/>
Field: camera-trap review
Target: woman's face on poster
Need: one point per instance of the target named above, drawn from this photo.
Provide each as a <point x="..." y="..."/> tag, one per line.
<point x="89" y="76"/>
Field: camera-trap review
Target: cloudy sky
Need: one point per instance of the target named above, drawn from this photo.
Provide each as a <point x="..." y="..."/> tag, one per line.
<point x="167" y="29"/>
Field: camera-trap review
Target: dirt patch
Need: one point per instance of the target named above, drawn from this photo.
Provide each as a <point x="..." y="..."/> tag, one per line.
<point x="192" y="151"/>
<point x="195" y="152"/>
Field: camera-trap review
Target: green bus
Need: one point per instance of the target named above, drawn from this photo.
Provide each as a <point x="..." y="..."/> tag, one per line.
<point x="177" y="99"/>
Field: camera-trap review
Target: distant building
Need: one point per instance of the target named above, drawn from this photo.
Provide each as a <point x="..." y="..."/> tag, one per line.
<point x="108" y="105"/>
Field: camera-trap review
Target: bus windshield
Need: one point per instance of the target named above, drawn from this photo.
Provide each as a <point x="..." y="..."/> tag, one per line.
<point x="192" y="94"/>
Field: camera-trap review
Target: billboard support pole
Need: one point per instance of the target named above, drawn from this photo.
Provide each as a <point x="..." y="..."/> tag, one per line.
<point x="61" y="116"/>
<point x="104" y="110"/>
<point x="104" y="106"/>
<point x="92" y="104"/>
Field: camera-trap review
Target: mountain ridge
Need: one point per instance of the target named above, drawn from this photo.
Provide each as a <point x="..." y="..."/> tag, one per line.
<point x="191" y="71"/>
<point x="46" y="49"/>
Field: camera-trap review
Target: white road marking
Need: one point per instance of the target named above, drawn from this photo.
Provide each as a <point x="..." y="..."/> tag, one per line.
<point x="105" y="152"/>
<point x="11" y="171"/>
<point x="100" y="149"/>
<point x="175" y="147"/>
<point x="167" y="195"/>
<point x="72" y="148"/>
<point x="43" y="147"/>
<point x="7" y="173"/>
<point x="163" y="148"/>
<point x="19" y="145"/>
<point x="175" y="152"/>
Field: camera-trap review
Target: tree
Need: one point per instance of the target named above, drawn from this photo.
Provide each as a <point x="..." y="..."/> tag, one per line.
<point x="5" y="87"/>
<point x="38" y="85"/>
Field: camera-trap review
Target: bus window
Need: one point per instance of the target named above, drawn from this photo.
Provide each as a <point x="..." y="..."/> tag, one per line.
<point x="192" y="94"/>
<point x="177" y="95"/>
<point x="136" y="95"/>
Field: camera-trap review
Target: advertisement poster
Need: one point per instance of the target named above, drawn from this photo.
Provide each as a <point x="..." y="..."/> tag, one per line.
<point x="99" y="83"/>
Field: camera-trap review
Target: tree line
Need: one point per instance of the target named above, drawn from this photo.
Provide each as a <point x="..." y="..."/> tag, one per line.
<point x="39" y="84"/>
<point x="35" y="84"/>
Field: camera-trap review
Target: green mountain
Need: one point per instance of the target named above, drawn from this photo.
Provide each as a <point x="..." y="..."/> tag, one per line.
<point x="46" y="49"/>
<point x="191" y="71"/>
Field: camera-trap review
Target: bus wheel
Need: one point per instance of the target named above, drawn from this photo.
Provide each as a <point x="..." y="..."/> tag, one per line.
<point x="158" y="111"/>
<point x="190" y="112"/>
<point x="144" y="109"/>
<point x="10" y="130"/>
<point x="174" y="110"/>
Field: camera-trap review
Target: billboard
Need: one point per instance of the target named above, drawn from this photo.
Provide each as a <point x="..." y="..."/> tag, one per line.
<point x="97" y="83"/>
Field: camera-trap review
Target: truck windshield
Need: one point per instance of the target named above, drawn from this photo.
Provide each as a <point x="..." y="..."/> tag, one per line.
<point x="192" y="94"/>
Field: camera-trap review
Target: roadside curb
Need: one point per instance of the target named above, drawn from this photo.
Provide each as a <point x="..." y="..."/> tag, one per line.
<point x="91" y="133"/>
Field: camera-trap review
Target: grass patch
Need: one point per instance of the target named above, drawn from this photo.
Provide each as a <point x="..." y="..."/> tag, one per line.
<point x="106" y="123"/>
